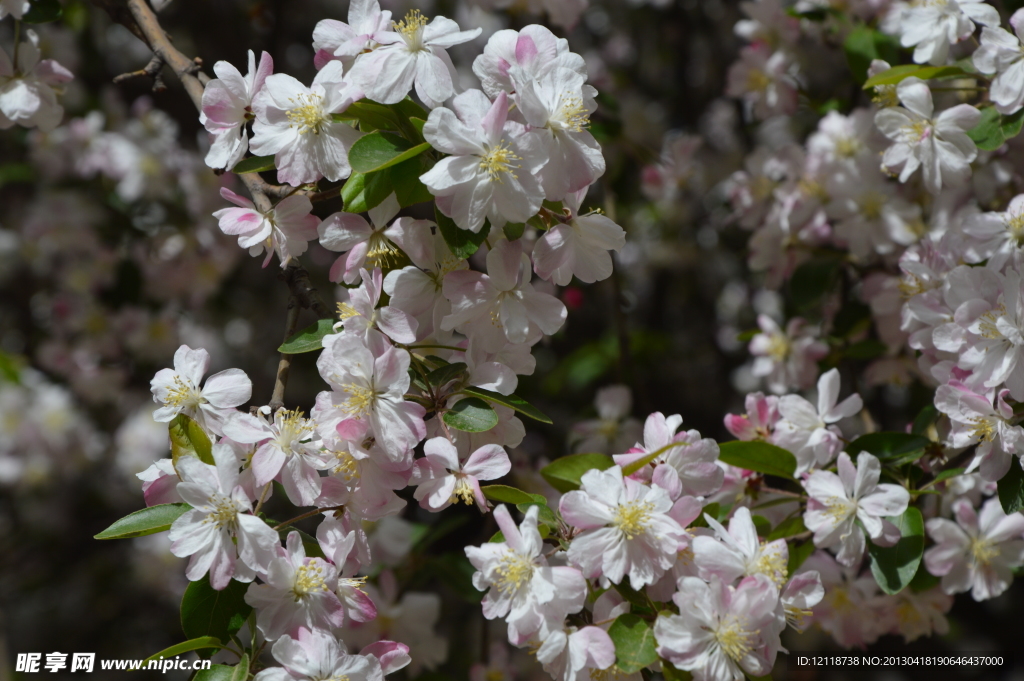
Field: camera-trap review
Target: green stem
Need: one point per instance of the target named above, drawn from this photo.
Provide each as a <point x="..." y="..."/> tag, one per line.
<point x="310" y="514"/>
<point x="17" y="43"/>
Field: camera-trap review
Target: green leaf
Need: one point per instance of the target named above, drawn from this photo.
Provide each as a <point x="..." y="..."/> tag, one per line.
<point x="503" y="494"/>
<point x="216" y="672"/>
<point x="241" y="670"/>
<point x="863" y="45"/>
<point x="16" y="172"/>
<point x="189" y="439"/>
<point x="418" y="123"/>
<point x="747" y="335"/>
<point x="185" y="647"/>
<point x="42" y="11"/>
<point x="544" y="515"/>
<point x="866" y="349"/>
<point x="254" y="164"/>
<point x="512" y="401"/>
<point x="471" y="415"/>
<point x="380" y="150"/>
<point x="446" y="374"/>
<point x="798" y="553"/>
<point x="639" y="602"/>
<point x="788" y="528"/>
<point x="758" y="456"/>
<point x="894" y="566"/>
<point x="564" y="473"/>
<point x="923" y="580"/>
<point x="461" y="242"/>
<point x="713" y="510"/>
<point x="207" y="612"/>
<point x="994" y="129"/>
<point x="362" y="192"/>
<point x="634" y="643"/>
<point x="898" y="73"/>
<point x="514" y="230"/>
<point x="813" y="280"/>
<point x="924" y="419"/>
<point x="408" y="108"/>
<point x="370" y="116"/>
<point x="761" y="525"/>
<point x="887" y="445"/>
<point x="405" y="179"/>
<point x="672" y="674"/>
<point x="309" y="339"/>
<point x="1011" y="489"/>
<point x="946" y="475"/>
<point x="309" y="542"/>
<point x="145" y="521"/>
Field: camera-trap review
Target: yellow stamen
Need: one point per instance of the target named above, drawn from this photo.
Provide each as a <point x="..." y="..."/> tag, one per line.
<point x="308" y="114"/>
<point x="462" y="492"/>
<point x="500" y="160"/>
<point x="411" y="28"/>
<point x="308" y="579"/>
<point x="633" y="518"/>
<point x="346" y="311"/>
<point x="734" y="640"/>
<point x="573" y="114"/>
<point x="360" y="399"/>
<point x="225" y="512"/>
<point x="983" y="551"/>
<point x="513" y="571"/>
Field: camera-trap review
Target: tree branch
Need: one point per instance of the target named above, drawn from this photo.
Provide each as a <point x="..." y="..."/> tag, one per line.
<point x="285" y="363"/>
<point x="302" y="288"/>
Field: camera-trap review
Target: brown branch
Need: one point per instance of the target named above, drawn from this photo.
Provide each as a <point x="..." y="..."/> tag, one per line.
<point x="302" y="288"/>
<point x="285" y="363"/>
<point x="150" y="70"/>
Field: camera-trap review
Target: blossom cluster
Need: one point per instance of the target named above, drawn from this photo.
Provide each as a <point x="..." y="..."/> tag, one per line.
<point x="716" y="548"/>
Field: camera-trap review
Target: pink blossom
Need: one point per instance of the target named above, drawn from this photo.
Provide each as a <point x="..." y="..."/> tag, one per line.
<point x="219" y="532"/>
<point x="627" y="529"/>
<point x="442" y="479"/>
<point x="837" y="501"/>
<point x="285" y="229"/>
<point x="299" y="592"/>
<point x="521" y="585"/>
<point x="227" y="108"/>
<point x="978" y="551"/>
<point x="720" y="631"/>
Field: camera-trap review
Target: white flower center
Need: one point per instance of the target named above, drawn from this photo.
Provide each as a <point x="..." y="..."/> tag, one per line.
<point x="988" y="325"/>
<point x="346" y="466"/>
<point x="500" y="159"/>
<point x="463" y="491"/>
<point x="870" y="205"/>
<point x="183" y="395"/>
<point x="772" y="565"/>
<point x="984" y="551"/>
<point x="292" y="429"/>
<point x="1015" y="226"/>
<point x="308" y="579"/>
<point x="735" y="640"/>
<point x="308" y="114"/>
<point x="360" y="400"/>
<point x="571" y="114"/>
<point x="919" y="130"/>
<point x="984" y="429"/>
<point x="839" y="509"/>
<point x="224" y="513"/>
<point x="411" y="30"/>
<point x="381" y="252"/>
<point x="633" y="518"/>
<point x="778" y="347"/>
<point x="513" y="571"/>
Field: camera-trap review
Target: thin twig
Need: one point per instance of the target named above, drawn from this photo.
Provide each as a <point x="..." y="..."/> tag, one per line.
<point x="302" y="288"/>
<point x="150" y="70"/>
<point x="285" y="363"/>
<point x="263" y="497"/>
<point x="309" y="514"/>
